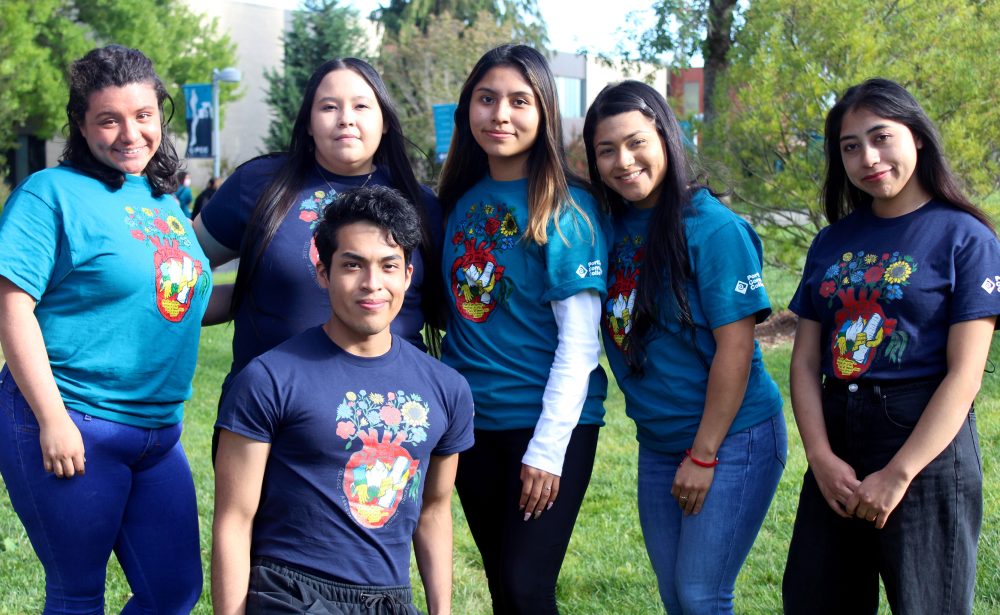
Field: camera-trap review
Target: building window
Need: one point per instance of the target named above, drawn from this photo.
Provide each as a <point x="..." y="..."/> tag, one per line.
<point x="571" y="96"/>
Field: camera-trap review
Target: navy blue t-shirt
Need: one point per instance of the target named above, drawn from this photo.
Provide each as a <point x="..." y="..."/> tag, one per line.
<point x="886" y="290"/>
<point x="351" y="439"/>
<point x="285" y="298"/>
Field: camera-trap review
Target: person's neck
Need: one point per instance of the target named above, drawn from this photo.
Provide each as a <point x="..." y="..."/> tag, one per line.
<point x="910" y="199"/>
<point x="367" y="346"/>
<point x="508" y="168"/>
<point x="347" y="170"/>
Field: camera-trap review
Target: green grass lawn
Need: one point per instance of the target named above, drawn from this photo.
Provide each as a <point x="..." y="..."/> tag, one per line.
<point x="606" y="570"/>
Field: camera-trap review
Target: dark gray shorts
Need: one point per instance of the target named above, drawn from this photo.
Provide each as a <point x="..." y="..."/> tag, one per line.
<point x="276" y="588"/>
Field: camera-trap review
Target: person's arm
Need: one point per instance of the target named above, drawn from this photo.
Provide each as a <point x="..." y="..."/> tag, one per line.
<point x="835" y="478"/>
<point x="432" y="541"/>
<point x="578" y="351"/>
<point x="218" y="254"/>
<point x="727" y="385"/>
<point x="967" y="350"/>
<point x="239" y="475"/>
<point x="24" y="351"/>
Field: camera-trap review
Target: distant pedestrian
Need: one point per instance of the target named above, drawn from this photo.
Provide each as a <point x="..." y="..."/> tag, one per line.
<point x="897" y="306"/>
<point x="102" y="290"/>
<point x="183" y="194"/>
<point x="205" y="196"/>
<point x="684" y="292"/>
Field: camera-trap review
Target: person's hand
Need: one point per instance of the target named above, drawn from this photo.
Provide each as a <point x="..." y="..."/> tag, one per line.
<point x="691" y="485"/>
<point x="877" y="496"/>
<point x="62" y="448"/>
<point x="539" y="490"/>
<point x="837" y="482"/>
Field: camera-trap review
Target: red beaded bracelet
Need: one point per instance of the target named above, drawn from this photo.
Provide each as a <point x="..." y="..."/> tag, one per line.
<point x="698" y="462"/>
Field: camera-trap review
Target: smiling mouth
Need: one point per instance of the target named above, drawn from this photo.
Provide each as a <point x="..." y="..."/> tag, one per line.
<point x="630" y="176"/>
<point x="131" y="151"/>
<point x="498" y="134"/>
<point x="875" y="176"/>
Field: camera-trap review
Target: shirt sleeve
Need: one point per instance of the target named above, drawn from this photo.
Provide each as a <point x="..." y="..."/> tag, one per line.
<point x="31" y="233"/>
<point x="577" y="352"/>
<point x="801" y="303"/>
<point x="459" y="435"/>
<point x="227" y="214"/>
<point x="250" y="407"/>
<point x="576" y="252"/>
<point x="976" y="285"/>
<point x="727" y="267"/>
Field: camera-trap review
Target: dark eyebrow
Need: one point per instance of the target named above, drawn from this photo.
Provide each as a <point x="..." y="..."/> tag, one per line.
<point x="874" y="128"/>
<point x="357" y="257"/>
<point x="483" y="88"/>
<point x="627" y="137"/>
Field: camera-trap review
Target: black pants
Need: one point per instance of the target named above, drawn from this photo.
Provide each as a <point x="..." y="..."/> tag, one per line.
<point x="279" y="589"/>
<point x="521" y="558"/>
<point x="926" y="553"/>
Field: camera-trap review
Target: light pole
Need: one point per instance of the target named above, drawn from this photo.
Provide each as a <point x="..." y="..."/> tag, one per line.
<point x="229" y="75"/>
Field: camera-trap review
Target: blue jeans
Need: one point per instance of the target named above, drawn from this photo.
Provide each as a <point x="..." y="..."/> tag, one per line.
<point x="697" y="557"/>
<point x="926" y="553"/>
<point x="136" y="499"/>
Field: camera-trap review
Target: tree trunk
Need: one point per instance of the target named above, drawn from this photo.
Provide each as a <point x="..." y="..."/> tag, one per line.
<point x="718" y="41"/>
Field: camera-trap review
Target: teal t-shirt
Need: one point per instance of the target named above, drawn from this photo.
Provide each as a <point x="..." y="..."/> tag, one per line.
<point x="502" y="334"/>
<point x="121" y="285"/>
<point x="668" y="401"/>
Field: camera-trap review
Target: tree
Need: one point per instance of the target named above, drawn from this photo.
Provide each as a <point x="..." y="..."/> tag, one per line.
<point x="687" y="28"/>
<point x="427" y="57"/>
<point x="522" y="16"/>
<point x="790" y="62"/>
<point x="321" y="31"/>
<point x="42" y="37"/>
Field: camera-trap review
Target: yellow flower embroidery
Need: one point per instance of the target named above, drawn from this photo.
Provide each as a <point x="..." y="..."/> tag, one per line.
<point x="414" y="413"/>
<point x="376" y="398"/>
<point x="351" y="396"/>
<point x="175" y="225"/>
<point x="848" y="257"/>
<point x="897" y="272"/>
<point x="147" y="211"/>
<point x="870" y="259"/>
<point x="129" y="211"/>
<point x="488" y="209"/>
<point x="509" y="225"/>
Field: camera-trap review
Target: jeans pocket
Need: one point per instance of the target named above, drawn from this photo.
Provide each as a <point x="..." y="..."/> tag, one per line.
<point x="903" y="406"/>
<point x="780" y="438"/>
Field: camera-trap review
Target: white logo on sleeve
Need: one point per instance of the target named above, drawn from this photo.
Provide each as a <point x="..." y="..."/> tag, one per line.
<point x="581" y="271"/>
<point x="754" y="281"/>
<point x="989" y="285"/>
<point x="741" y="287"/>
<point x="594" y="268"/>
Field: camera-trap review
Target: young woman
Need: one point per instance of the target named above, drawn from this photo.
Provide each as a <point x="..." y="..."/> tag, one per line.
<point x="897" y="306"/>
<point x="524" y="263"/>
<point x="346" y="135"/>
<point x="102" y="290"/>
<point x="684" y="293"/>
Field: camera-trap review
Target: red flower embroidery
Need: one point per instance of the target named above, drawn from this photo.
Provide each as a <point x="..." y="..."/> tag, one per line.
<point x="492" y="226"/>
<point x="457" y="239"/>
<point x="390" y="415"/>
<point x="874" y="274"/>
<point x="161" y="226"/>
<point x="346" y="429"/>
<point x="827" y="288"/>
<point x="307" y="215"/>
<point x="138" y="234"/>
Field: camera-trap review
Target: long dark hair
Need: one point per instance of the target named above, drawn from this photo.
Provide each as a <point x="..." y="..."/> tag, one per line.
<point x="549" y="176"/>
<point x="273" y="204"/>
<point x="892" y="101"/>
<point x="116" y="66"/>
<point x="666" y="244"/>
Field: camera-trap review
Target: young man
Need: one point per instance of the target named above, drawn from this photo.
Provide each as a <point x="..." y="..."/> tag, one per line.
<point x="339" y="447"/>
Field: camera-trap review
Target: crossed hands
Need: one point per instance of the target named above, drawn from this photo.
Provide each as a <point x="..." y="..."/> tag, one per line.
<point x="872" y="499"/>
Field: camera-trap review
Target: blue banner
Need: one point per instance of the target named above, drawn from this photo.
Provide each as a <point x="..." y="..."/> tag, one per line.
<point x="198" y="111"/>
<point x="444" y="126"/>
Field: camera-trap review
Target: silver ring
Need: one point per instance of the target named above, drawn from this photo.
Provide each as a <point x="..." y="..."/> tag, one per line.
<point x="684" y="498"/>
<point x="548" y="488"/>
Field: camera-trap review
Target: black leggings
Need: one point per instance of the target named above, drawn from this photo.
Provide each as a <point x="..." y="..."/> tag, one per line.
<point x="521" y="558"/>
